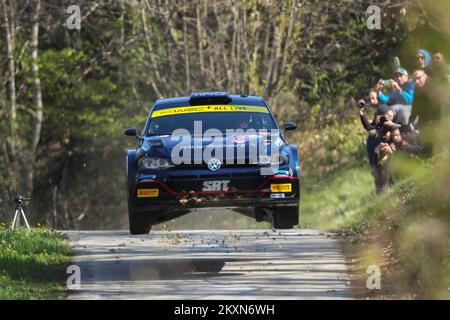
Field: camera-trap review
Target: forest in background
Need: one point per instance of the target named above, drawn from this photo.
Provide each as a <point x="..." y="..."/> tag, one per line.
<point x="66" y="95"/>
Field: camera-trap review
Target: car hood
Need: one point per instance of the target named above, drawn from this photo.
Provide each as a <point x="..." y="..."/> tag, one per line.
<point x="245" y="144"/>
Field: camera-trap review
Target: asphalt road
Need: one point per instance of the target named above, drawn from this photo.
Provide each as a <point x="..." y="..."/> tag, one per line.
<point x="225" y="264"/>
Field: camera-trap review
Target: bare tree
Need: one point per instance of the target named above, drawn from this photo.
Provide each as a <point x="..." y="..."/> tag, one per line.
<point x="37" y="99"/>
<point x="8" y="16"/>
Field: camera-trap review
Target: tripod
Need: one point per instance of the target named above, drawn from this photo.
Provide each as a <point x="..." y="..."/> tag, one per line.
<point x="19" y="213"/>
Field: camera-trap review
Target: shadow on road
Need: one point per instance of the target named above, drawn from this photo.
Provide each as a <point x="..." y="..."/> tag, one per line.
<point x="175" y="269"/>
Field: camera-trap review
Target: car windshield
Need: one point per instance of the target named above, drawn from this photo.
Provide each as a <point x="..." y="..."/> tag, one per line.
<point x="212" y="120"/>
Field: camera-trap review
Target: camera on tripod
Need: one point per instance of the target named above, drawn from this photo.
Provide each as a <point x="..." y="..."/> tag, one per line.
<point x="19" y="200"/>
<point x="19" y="214"/>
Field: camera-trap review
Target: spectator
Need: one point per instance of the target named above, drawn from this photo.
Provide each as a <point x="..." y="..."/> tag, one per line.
<point x="385" y="149"/>
<point x="423" y="59"/>
<point x="405" y="140"/>
<point x="401" y="98"/>
<point x="403" y="90"/>
<point x="440" y="70"/>
<point x="427" y="108"/>
<point x="377" y="123"/>
<point x="382" y="171"/>
<point x="373" y="98"/>
<point x="425" y="95"/>
<point x="373" y="102"/>
<point x="373" y="139"/>
<point x="420" y="78"/>
<point x="442" y="73"/>
<point x="439" y="61"/>
<point x="401" y="114"/>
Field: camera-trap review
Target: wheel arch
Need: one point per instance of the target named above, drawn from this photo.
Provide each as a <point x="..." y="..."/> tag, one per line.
<point x="294" y="162"/>
<point x="132" y="166"/>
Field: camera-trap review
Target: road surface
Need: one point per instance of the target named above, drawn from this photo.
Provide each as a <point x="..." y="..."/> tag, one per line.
<point x="213" y="264"/>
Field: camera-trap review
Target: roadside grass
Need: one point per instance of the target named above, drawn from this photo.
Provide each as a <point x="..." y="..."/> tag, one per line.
<point x="32" y="264"/>
<point x="336" y="199"/>
<point x="405" y="231"/>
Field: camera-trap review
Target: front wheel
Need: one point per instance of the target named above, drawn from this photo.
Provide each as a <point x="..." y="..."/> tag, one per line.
<point x="139" y="223"/>
<point x="285" y="217"/>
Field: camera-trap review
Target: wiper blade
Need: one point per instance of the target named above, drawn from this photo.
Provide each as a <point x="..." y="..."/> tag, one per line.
<point x="158" y="134"/>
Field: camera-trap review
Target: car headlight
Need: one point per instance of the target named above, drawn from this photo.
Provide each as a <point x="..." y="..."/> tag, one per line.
<point x="156" y="163"/>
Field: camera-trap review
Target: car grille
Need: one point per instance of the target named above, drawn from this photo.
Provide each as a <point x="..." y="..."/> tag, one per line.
<point x="238" y="181"/>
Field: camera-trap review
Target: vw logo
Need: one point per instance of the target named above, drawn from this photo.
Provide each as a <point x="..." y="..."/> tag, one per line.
<point x="214" y="164"/>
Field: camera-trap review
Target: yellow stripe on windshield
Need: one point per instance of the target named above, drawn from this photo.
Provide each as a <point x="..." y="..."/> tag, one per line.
<point x="207" y="108"/>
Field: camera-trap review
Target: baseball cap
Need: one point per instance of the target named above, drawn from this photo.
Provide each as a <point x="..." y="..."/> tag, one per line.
<point x="383" y="109"/>
<point x="401" y="71"/>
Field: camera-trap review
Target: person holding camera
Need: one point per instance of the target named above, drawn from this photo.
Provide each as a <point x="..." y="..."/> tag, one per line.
<point x="401" y="97"/>
<point x="381" y="170"/>
<point x="376" y="132"/>
<point x="373" y="102"/>
<point x="371" y="126"/>
<point x="405" y="140"/>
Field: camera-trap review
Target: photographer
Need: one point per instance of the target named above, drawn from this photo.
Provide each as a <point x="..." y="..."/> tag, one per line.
<point x="375" y="136"/>
<point x="381" y="170"/>
<point x="373" y="102"/>
<point x="401" y="96"/>
<point x="405" y="140"/>
<point x="384" y="117"/>
<point x="385" y="149"/>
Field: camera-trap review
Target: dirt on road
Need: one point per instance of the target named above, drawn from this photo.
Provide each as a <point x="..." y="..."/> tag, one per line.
<point x="213" y="264"/>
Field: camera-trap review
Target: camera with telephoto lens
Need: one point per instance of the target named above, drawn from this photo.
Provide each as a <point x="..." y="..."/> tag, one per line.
<point x="381" y="122"/>
<point x="19" y="200"/>
<point x="362" y="104"/>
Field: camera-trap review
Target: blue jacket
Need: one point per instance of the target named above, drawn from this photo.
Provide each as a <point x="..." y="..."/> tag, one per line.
<point x="406" y="97"/>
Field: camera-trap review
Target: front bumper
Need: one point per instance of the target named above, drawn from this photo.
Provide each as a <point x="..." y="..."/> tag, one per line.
<point x="184" y="189"/>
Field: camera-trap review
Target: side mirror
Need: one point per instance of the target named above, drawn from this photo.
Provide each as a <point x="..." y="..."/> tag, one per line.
<point x="290" y="126"/>
<point x="132" y="132"/>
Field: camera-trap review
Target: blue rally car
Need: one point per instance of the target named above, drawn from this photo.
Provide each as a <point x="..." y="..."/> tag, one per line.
<point x="210" y="150"/>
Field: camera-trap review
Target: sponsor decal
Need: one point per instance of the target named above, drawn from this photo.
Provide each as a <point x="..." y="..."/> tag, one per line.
<point x="241" y="139"/>
<point x="207" y="108"/>
<point x="219" y="185"/>
<point x="147" y="193"/>
<point x="282" y="187"/>
<point x="277" y="195"/>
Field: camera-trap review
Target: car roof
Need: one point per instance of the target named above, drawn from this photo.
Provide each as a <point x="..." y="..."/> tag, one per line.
<point x="184" y="101"/>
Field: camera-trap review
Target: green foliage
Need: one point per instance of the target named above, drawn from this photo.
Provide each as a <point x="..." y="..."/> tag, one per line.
<point x="337" y="198"/>
<point x="340" y="58"/>
<point x="32" y="263"/>
<point x="311" y="61"/>
<point x="326" y="149"/>
<point x="405" y="231"/>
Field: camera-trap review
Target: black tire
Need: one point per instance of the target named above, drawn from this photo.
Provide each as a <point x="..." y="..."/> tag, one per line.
<point x="259" y="214"/>
<point x="285" y="217"/>
<point x="138" y="221"/>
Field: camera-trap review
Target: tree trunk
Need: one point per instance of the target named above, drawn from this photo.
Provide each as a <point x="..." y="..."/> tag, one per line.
<point x="200" y="42"/>
<point x="186" y="52"/>
<point x="150" y="53"/>
<point x="37" y="90"/>
<point x="28" y="159"/>
<point x="9" y="27"/>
